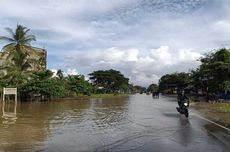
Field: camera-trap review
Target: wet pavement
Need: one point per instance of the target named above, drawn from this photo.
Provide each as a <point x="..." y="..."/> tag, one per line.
<point x="134" y="123"/>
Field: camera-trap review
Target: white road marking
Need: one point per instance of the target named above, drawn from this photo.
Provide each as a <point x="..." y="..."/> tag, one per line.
<point x="219" y="125"/>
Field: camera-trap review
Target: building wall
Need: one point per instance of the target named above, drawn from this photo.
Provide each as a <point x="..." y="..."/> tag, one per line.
<point x="37" y="56"/>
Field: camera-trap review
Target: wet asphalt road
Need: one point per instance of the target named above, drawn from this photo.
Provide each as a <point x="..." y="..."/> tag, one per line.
<point x="136" y="123"/>
<point x="156" y="126"/>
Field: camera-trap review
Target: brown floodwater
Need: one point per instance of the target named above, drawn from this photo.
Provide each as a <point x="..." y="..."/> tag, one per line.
<point x="133" y="123"/>
<point x="27" y="126"/>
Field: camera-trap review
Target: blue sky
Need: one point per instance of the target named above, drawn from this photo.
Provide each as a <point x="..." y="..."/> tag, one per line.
<point x="144" y="39"/>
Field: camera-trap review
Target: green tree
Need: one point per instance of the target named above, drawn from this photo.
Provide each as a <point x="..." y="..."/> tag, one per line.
<point x="171" y="81"/>
<point x="16" y="71"/>
<point x="60" y="74"/>
<point x="78" y="85"/>
<point x="43" y="84"/>
<point x="18" y="40"/>
<point x="137" y="89"/>
<point x="17" y="63"/>
<point x="214" y="71"/>
<point x="111" y="81"/>
<point x="152" y="88"/>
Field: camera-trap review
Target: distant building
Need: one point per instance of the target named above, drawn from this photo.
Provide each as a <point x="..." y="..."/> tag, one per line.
<point x="36" y="57"/>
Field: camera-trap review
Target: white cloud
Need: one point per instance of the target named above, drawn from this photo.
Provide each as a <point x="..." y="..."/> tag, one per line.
<point x="141" y="68"/>
<point x="54" y="73"/>
<point x="72" y="72"/>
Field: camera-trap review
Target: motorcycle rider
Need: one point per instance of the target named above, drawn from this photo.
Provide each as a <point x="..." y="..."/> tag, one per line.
<point x="181" y="98"/>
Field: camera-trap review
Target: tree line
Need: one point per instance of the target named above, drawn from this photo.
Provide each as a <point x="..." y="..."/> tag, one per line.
<point x="211" y="77"/>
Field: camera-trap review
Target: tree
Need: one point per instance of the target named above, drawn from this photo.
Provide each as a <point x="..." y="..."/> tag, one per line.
<point x="78" y="85"/>
<point x="111" y="81"/>
<point x="17" y="63"/>
<point x="153" y="88"/>
<point x="18" y="40"/>
<point x="137" y="88"/>
<point x="171" y="81"/>
<point x="60" y="74"/>
<point x="16" y="71"/>
<point x="214" y="71"/>
<point x="44" y="85"/>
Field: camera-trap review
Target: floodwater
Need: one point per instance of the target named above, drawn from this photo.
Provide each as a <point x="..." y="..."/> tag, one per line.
<point x="134" y="123"/>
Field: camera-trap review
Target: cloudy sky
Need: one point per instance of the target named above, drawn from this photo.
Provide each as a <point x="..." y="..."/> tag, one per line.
<point x="144" y="39"/>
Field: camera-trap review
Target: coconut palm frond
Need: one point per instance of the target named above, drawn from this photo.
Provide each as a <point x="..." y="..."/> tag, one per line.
<point x="26" y="30"/>
<point x="10" y="31"/>
<point x="17" y="55"/>
<point x="30" y="39"/>
<point x="7" y="39"/>
<point x="9" y="47"/>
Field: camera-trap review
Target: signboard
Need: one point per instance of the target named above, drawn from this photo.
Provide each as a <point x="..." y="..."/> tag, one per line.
<point x="9" y="90"/>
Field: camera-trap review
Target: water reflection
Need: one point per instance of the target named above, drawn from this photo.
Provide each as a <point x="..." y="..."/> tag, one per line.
<point x="108" y="113"/>
<point x="185" y="132"/>
<point x="9" y="112"/>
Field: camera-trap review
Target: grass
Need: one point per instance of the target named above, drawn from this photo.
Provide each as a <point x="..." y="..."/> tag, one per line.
<point x="215" y="107"/>
<point x="224" y="107"/>
<point x="219" y="112"/>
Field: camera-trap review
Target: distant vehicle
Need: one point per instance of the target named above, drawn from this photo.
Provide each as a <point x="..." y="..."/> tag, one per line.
<point x="155" y="94"/>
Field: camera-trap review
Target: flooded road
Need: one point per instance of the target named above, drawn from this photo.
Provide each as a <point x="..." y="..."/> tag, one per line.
<point x="134" y="123"/>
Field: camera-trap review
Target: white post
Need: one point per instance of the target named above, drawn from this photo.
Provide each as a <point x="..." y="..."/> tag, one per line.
<point x="3" y="95"/>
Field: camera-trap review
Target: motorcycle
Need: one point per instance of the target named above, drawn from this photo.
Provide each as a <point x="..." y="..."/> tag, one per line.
<point x="183" y="108"/>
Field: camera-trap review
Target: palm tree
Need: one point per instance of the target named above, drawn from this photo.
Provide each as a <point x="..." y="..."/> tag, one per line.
<point x="17" y="73"/>
<point x="17" y="62"/>
<point x="18" y="41"/>
<point x="60" y="74"/>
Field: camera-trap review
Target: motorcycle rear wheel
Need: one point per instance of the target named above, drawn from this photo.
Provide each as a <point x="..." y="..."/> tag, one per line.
<point x="186" y="114"/>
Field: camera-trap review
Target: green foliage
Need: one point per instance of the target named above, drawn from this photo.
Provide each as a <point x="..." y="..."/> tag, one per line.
<point x="78" y="84"/>
<point x="174" y="80"/>
<point x="111" y="81"/>
<point x="42" y="75"/>
<point x="42" y="83"/>
<point x="225" y="85"/>
<point x="214" y="71"/>
<point x="16" y="73"/>
<point x="19" y="36"/>
<point x="60" y="74"/>
<point x="18" y="40"/>
<point x="16" y="70"/>
<point x="136" y="88"/>
<point x="153" y="88"/>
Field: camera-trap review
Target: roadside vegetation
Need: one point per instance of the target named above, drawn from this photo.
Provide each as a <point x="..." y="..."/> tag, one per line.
<point x="211" y="78"/>
<point x="42" y="84"/>
<point x="218" y="112"/>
